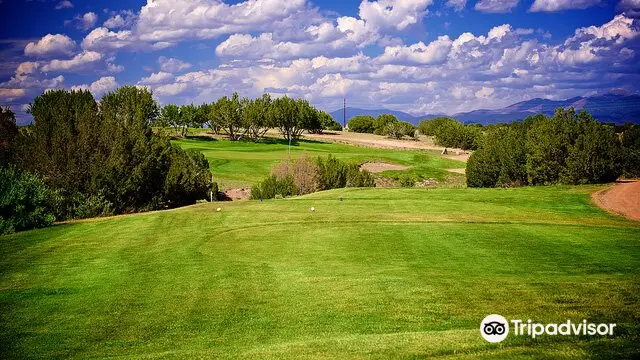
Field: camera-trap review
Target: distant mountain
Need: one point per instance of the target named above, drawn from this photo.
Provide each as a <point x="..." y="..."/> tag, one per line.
<point x="615" y="107"/>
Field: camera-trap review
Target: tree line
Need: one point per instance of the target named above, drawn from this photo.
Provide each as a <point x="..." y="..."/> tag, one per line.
<point x="82" y="158"/>
<point x="245" y="118"/>
<point x="384" y="124"/>
<point x="567" y="148"/>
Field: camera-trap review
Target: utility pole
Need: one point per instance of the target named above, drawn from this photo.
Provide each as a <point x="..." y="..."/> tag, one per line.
<point x="344" y="109"/>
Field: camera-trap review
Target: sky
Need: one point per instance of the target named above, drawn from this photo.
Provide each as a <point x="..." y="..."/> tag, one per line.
<point x="417" y="56"/>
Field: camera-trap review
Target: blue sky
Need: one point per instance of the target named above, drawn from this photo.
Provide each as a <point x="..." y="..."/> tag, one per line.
<point x="418" y="56"/>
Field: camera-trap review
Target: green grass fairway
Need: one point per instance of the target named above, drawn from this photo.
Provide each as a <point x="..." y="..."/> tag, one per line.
<point x="387" y="273"/>
<point x="241" y="164"/>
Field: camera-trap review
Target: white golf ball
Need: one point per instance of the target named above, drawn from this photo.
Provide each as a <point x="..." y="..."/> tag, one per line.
<point x="313" y="209"/>
<point x="218" y="209"/>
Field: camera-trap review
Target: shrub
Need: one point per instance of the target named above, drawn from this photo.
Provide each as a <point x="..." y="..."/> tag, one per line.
<point x="451" y="133"/>
<point x="362" y="124"/>
<point x="429" y="127"/>
<point x="334" y="174"/>
<point x="25" y="201"/>
<point x="398" y="130"/>
<point x="303" y="171"/>
<point x="631" y="151"/>
<point x="273" y="187"/>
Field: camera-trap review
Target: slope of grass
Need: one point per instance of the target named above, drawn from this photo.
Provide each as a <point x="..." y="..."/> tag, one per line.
<point x="240" y="163"/>
<point x="385" y="273"/>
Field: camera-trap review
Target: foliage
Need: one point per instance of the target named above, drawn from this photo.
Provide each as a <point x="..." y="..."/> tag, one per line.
<point x="25" y="201"/>
<point x="334" y="174"/>
<point x="362" y="124"/>
<point x="272" y="187"/>
<point x="428" y="127"/>
<point x="327" y="122"/>
<point x="8" y="134"/>
<point x="293" y="116"/>
<point x="382" y="123"/>
<point x="228" y="114"/>
<point x="104" y="159"/>
<point x="398" y="130"/>
<point x="257" y="119"/>
<point x="567" y="148"/>
<point x="631" y="151"/>
<point x="451" y="133"/>
<point x="302" y="170"/>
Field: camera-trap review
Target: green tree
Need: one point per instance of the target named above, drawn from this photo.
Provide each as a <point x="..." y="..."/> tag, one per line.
<point x="8" y="134"/>
<point x="362" y="124"/>
<point x="170" y="115"/>
<point x="257" y="118"/>
<point x="382" y="122"/>
<point x="228" y="114"/>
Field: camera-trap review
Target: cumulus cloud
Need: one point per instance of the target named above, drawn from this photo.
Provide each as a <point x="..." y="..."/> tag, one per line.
<point x="172" y="65"/>
<point x="393" y="14"/>
<point x="100" y="86"/>
<point x="435" y="52"/>
<point x="124" y="19"/>
<point x="50" y="45"/>
<point x="496" y="6"/>
<point x="631" y="8"/>
<point x="66" y="4"/>
<point x="77" y="62"/>
<point x="560" y="5"/>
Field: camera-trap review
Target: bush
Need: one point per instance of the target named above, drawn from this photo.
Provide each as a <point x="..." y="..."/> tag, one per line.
<point x="429" y="127"/>
<point x="25" y="201"/>
<point x="362" y="124"/>
<point x="631" y="151"/>
<point x="398" y="130"/>
<point x="273" y="187"/>
<point x="335" y="174"/>
<point x="303" y="171"/>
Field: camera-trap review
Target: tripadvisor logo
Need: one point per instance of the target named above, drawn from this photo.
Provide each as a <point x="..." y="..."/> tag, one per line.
<point x="495" y="328"/>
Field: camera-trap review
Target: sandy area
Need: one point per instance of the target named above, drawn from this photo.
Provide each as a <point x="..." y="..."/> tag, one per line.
<point x="378" y="167"/>
<point x="237" y="194"/>
<point x="458" y="171"/>
<point x="377" y="141"/>
<point x="622" y="199"/>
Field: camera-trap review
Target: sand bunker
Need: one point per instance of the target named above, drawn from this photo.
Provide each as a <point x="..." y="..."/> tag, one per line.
<point x="377" y="167"/>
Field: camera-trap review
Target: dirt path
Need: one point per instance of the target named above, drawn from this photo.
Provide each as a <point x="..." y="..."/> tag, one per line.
<point x="622" y="199"/>
<point x="378" y="167"/>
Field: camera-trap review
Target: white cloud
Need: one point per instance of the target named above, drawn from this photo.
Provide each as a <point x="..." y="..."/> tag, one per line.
<point x="171" y="89"/>
<point x="399" y="14"/>
<point x="484" y="93"/>
<point x="172" y="65"/>
<point x="560" y="5"/>
<point x="124" y="19"/>
<point x="631" y="8"/>
<point x="9" y="95"/>
<point x="434" y="53"/>
<point x="50" y="45"/>
<point x="77" y="62"/>
<point x="457" y="5"/>
<point x="496" y="6"/>
<point x="156" y="78"/>
<point x="100" y="86"/>
<point x="65" y="4"/>
<point x="102" y="39"/>
<point x="89" y="20"/>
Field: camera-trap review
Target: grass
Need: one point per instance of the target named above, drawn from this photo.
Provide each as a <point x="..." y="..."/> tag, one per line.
<point x="386" y="273"/>
<point x="242" y="164"/>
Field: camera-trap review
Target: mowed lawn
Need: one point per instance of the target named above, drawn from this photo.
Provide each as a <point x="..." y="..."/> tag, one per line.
<point x="385" y="273"/>
<point x="244" y="163"/>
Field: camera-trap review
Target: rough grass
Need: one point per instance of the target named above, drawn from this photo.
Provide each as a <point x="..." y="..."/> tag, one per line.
<point x="386" y="273"/>
<point x="242" y="164"/>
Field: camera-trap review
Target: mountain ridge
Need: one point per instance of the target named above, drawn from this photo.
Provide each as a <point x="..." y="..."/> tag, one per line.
<point x="613" y="107"/>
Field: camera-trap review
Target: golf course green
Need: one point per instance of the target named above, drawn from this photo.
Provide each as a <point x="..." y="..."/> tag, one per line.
<point x="382" y="273"/>
<point x="242" y="164"/>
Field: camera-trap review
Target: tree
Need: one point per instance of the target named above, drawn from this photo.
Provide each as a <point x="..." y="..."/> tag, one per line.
<point x="631" y="151"/>
<point x="228" y="115"/>
<point x="189" y="117"/>
<point x="170" y="115"/>
<point x="381" y="124"/>
<point x="429" y="127"/>
<point x="8" y="134"/>
<point x="362" y="124"/>
<point x="292" y="117"/>
<point x="398" y="130"/>
<point x="257" y="119"/>
<point x="327" y="122"/>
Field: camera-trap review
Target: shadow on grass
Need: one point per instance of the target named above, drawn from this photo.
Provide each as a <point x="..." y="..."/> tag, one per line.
<point x="278" y="141"/>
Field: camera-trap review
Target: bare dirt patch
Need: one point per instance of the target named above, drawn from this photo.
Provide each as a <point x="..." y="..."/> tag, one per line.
<point x="378" y="167"/>
<point x="459" y="156"/>
<point x="622" y="199"/>
<point x="237" y="194"/>
<point x="378" y="141"/>
<point x="458" y="171"/>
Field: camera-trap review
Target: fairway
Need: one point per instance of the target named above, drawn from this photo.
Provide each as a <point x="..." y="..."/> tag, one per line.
<point x="242" y="163"/>
<point x="385" y="273"/>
